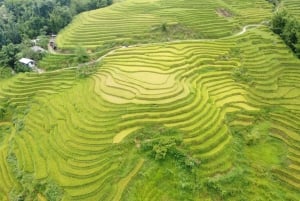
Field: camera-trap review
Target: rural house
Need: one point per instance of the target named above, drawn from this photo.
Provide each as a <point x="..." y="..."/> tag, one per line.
<point x="38" y="49"/>
<point x="28" y="62"/>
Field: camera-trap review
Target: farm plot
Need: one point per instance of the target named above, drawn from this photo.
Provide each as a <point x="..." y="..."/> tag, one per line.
<point x="250" y="11"/>
<point x="135" y="21"/>
<point x="232" y="101"/>
<point x="57" y="61"/>
<point x="16" y="97"/>
<point x="292" y="6"/>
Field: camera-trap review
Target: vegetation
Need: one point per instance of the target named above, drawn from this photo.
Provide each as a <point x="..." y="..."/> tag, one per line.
<point x="161" y="143"/>
<point x="37" y="17"/>
<point x="30" y="188"/>
<point x="159" y="22"/>
<point x="213" y="115"/>
<point x="288" y="27"/>
<point x="275" y="2"/>
<point x="21" y="21"/>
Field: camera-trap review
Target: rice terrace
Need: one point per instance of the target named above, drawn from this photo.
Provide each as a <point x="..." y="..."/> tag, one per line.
<point x="174" y="100"/>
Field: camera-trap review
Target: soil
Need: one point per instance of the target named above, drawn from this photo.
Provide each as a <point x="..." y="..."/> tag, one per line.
<point x="223" y="12"/>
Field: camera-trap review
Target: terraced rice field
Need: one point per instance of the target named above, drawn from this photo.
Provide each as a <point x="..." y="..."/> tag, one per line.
<point x="57" y="61"/>
<point x="74" y="133"/>
<point x="140" y="21"/>
<point x="234" y="102"/>
<point x="293" y="7"/>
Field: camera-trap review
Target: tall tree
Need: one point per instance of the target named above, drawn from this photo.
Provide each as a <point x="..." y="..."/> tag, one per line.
<point x="59" y="18"/>
<point x="279" y="21"/>
<point x="8" y="55"/>
<point x="290" y="31"/>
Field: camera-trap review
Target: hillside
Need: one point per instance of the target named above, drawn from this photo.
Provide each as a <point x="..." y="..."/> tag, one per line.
<point x="292" y="6"/>
<point x="195" y="101"/>
<point x="141" y="21"/>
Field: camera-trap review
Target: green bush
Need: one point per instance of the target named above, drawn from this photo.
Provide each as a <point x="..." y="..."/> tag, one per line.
<point x="29" y="187"/>
<point x="163" y="144"/>
<point x="5" y="72"/>
<point x="84" y="71"/>
<point x="288" y="28"/>
<point x="81" y="55"/>
<point x="241" y="75"/>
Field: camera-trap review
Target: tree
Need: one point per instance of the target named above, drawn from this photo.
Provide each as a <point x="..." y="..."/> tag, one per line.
<point x="78" y="6"/>
<point x="279" y="21"/>
<point x="43" y="41"/>
<point x="33" y="26"/>
<point x="8" y="55"/>
<point x="81" y="55"/>
<point x="297" y="45"/>
<point x="59" y="18"/>
<point x="288" y="28"/>
<point x="289" y="33"/>
<point x="22" y="20"/>
<point x="46" y="7"/>
<point x="275" y="2"/>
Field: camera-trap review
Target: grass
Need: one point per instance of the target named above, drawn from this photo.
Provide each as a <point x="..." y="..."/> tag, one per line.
<point x="267" y="153"/>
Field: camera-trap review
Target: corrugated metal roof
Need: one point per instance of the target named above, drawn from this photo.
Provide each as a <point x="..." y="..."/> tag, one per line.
<point x="26" y="61"/>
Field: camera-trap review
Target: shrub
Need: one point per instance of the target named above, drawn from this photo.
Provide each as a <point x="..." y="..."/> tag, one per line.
<point x="241" y="75"/>
<point x="29" y="187"/>
<point x="81" y="55"/>
<point x="288" y="28"/>
<point x="161" y="143"/>
<point x="5" y="72"/>
<point x="84" y="71"/>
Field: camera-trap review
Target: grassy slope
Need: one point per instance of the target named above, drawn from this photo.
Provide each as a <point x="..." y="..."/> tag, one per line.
<point x="235" y="101"/>
<point x="292" y="6"/>
<point x="76" y="128"/>
<point x="140" y="21"/>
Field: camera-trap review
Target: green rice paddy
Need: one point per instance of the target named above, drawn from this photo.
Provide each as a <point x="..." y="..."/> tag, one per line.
<point x="183" y="120"/>
<point x="140" y="21"/>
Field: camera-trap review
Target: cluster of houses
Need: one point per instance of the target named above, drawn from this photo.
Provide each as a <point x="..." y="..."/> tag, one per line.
<point x="31" y="63"/>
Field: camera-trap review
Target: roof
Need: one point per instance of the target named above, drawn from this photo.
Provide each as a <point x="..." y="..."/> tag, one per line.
<point x="38" y="49"/>
<point x="35" y="40"/>
<point x="26" y="61"/>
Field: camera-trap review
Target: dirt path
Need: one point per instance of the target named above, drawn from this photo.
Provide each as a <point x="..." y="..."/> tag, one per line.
<point x="243" y="31"/>
<point x="247" y="27"/>
<point x="39" y="70"/>
<point x="51" y="50"/>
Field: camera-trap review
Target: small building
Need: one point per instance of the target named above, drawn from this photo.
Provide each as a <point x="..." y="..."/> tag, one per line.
<point x="38" y="49"/>
<point x="28" y="62"/>
<point x="52" y="43"/>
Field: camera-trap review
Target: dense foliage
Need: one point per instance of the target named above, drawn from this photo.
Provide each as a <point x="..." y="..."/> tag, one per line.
<point x="211" y="118"/>
<point x="30" y="188"/>
<point x="24" y="20"/>
<point x="161" y="143"/>
<point x="288" y="28"/>
<point x="36" y="17"/>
